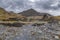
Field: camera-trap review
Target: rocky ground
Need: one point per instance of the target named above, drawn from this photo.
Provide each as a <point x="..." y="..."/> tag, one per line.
<point x="50" y="31"/>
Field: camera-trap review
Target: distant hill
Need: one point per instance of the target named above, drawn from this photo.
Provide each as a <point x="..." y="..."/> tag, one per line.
<point x="32" y="12"/>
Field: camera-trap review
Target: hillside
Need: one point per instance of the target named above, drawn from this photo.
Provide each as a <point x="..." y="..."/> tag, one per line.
<point x="4" y="15"/>
<point x="56" y="18"/>
<point x="32" y="12"/>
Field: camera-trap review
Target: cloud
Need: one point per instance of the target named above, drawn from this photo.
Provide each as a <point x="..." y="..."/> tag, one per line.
<point x="52" y="6"/>
<point x="49" y="5"/>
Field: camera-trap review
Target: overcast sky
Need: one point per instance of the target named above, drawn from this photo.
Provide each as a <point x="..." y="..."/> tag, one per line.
<point x="50" y="6"/>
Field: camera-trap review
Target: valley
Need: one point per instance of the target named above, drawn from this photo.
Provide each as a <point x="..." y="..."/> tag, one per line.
<point x="29" y="25"/>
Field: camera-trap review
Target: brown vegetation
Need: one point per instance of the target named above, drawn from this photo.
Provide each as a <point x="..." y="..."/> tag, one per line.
<point x="25" y="15"/>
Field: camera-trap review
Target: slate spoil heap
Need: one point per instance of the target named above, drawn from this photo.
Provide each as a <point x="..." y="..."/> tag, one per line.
<point x="50" y="31"/>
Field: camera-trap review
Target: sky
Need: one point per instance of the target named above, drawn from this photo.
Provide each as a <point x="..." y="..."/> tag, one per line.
<point x="50" y="6"/>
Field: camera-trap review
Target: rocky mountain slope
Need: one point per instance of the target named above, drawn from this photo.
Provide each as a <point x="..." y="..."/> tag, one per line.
<point x="27" y="13"/>
<point x="32" y="12"/>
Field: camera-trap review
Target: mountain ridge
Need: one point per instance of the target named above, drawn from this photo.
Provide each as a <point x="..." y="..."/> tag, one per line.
<point x="32" y="12"/>
<point x="27" y="13"/>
